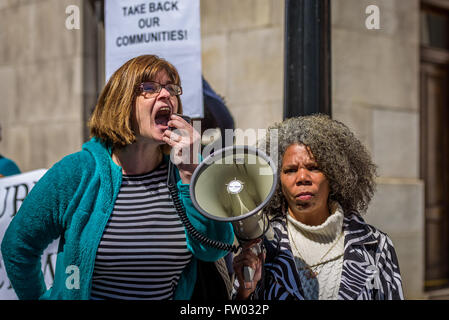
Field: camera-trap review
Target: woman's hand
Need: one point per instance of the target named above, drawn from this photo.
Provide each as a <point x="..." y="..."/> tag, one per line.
<point x="248" y="258"/>
<point x="185" y="143"/>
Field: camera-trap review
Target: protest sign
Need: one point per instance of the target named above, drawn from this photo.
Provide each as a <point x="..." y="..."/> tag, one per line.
<point x="13" y="191"/>
<point x="168" y="29"/>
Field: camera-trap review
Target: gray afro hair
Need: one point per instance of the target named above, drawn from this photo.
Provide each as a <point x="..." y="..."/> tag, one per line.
<point x="342" y="158"/>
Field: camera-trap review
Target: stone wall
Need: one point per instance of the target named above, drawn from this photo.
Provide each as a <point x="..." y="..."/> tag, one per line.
<point x="375" y="89"/>
<point x="40" y="82"/>
<point x="243" y="56"/>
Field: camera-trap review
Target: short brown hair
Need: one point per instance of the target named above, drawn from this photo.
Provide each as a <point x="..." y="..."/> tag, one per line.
<point x="111" y="118"/>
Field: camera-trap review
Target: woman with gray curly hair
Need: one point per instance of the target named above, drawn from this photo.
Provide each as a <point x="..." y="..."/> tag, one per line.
<point x="322" y="249"/>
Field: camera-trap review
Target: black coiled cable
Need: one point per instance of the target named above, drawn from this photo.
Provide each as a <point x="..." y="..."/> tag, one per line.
<point x="186" y="222"/>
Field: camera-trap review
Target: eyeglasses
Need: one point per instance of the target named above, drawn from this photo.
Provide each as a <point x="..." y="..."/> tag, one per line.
<point x="155" y="87"/>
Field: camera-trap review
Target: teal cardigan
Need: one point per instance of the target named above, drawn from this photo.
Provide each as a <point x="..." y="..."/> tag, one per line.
<point x="73" y="201"/>
<point x="8" y="167"/>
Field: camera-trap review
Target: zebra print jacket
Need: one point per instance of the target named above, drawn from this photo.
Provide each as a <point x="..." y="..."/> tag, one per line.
<point x="370" y="266"/>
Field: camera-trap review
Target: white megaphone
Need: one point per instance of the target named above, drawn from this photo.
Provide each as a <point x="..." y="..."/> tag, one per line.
<point x="233" y="185"/>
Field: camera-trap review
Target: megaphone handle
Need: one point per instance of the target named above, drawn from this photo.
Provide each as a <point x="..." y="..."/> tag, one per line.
<point x="248" y="272"/>
<point x="248" y="275"/>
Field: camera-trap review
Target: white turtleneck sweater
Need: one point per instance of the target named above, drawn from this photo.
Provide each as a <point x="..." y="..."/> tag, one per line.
<point x="309" y="245"/>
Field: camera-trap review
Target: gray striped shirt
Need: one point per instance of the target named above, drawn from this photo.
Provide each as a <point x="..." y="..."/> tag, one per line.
<point x="143" y="249"/>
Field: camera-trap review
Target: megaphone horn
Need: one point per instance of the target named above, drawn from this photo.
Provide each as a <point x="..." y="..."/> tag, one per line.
<point x="233" y="185"/>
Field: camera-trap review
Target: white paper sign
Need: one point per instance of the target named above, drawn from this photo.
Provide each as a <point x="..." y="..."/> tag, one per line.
<point x="13" y="191"/>
<point x="168" y="29"/>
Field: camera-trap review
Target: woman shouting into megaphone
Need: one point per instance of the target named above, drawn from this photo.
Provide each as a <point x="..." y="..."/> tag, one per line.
<point x="110" y="206"/>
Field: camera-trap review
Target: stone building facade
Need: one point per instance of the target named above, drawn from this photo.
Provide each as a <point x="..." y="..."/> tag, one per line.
<point x="376" y="92"/>
<point x="50" y="77"/>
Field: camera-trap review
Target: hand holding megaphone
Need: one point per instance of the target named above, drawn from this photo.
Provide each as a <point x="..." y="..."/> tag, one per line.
<point x="248" y="267"/>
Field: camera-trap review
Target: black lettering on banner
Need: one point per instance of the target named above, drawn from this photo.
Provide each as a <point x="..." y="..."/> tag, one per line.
<point x="4" y="201"/>
<point x="1" y="284"/>
<point x="148" y="22"/>
<point x="182" y="34"/>
<point x="160" y="36"/>
<point x="17" y="199"/>
<point x="49" y="265"/>
<point x="132" y="10"/>
<point x="163" y="6"/>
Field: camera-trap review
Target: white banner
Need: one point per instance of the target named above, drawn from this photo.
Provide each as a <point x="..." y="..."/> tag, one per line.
<point x="13" y="191"/>
<point x="168" y="29"/>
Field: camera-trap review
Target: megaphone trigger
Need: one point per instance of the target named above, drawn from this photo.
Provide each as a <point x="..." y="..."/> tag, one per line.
<point x="248" y="276"/>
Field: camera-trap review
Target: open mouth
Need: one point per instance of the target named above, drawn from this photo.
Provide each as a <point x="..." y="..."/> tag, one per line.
<point x="163" y="116"/>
